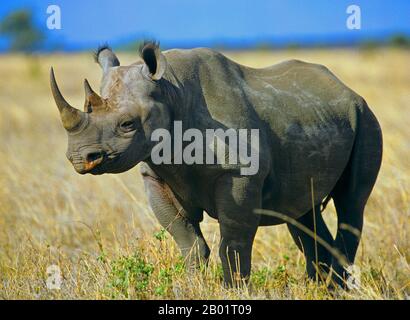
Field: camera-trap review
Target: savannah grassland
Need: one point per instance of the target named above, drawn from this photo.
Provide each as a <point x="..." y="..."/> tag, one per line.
<point x="106" y="241"/>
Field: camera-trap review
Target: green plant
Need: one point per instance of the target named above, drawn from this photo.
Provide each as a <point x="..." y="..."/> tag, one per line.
<point x="130" y="274"/>
<point x="166" y="275"/>
<point x="160" y="235"/>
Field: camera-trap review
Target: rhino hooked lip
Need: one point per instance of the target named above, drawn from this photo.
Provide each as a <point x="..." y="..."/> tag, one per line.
<point x="92" y="161"/>
<point x="89" y="165"/>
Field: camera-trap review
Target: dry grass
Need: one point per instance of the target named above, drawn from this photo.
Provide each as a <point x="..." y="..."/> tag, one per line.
<point x="102" y="235"/>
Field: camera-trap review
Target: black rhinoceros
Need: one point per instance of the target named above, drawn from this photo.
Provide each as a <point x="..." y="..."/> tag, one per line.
<point x="317" y="140"/>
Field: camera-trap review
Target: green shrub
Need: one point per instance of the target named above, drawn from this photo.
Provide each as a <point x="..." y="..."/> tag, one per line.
<point x="130" y="275"/>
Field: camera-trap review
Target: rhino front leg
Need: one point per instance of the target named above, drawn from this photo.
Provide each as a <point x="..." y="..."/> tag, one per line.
<point x="181" y="223"/>
<point x="236" y="198"/>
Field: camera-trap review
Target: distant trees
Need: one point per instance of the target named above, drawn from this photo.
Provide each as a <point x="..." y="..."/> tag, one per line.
<point x="400" y="40"/>
<point x="20" y="28"/>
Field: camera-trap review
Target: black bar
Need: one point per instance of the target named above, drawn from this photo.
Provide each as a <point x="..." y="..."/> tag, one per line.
<point x="207" y="309"/>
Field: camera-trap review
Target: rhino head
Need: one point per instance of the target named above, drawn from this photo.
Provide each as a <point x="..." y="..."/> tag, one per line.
<point x="113" y="132"/>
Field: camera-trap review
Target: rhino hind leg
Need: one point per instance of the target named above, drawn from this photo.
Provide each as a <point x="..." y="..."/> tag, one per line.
<point x="182" y="223"/>
<point x="352" y="191"/>
<point x="318" y="258"/>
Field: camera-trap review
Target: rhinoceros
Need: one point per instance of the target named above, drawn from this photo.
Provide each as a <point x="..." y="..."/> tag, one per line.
<point x="318" y="141"/>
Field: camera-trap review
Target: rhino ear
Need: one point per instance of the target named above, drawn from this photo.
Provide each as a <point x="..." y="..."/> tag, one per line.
<point x="155" y="62"/>
<point x="106" y="58"/>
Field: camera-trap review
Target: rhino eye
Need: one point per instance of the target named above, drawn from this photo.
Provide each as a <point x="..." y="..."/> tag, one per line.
<point x="127" y="126"/>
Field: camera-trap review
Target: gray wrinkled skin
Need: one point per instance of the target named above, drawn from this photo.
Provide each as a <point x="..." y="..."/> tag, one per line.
<point x="312" y="128"/>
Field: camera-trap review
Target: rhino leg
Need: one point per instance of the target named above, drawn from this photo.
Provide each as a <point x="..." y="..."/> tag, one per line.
<point x="236" y="197"/>
<point x="180" y="222"/>
<point x="318" y="258"/>
<point x="349" y="230"/>
<point x="352" y="191"/>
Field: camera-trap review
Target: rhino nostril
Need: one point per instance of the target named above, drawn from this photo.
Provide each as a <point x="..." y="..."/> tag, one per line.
<point x="94" y="156"/>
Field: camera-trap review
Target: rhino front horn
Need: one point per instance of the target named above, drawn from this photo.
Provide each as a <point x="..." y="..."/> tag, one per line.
<point x="71" y="117"/>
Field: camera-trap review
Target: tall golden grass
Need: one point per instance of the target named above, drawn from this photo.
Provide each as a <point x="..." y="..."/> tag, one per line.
<point x="101" y="233"/>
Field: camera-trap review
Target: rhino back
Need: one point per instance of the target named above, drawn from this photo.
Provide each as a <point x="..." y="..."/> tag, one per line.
<point x="307" y="118"/>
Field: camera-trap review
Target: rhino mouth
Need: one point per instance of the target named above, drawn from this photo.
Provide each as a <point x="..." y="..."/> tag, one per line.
<point x="94" y="163"/>
<point x="93" y="160"/>
<point x="99" y="166"/>
<point x="109" y="164"/>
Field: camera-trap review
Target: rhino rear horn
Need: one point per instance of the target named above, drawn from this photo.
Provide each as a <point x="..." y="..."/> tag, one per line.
<point x="70" y="117"/>
<point x="92" y="99"/>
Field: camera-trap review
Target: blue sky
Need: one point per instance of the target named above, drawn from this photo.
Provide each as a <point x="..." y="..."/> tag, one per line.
<point x="89" y="23"/>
